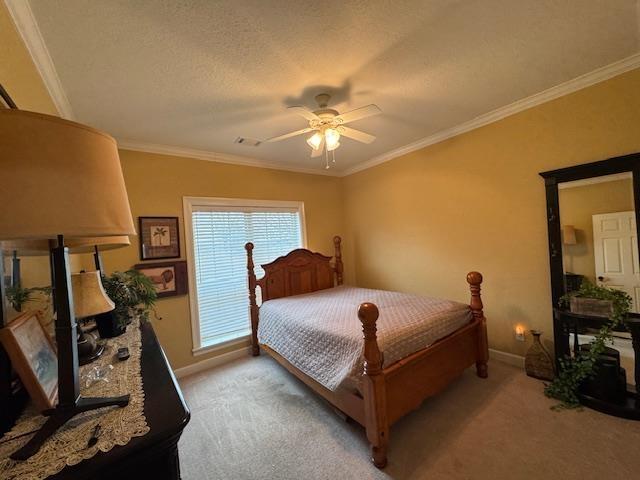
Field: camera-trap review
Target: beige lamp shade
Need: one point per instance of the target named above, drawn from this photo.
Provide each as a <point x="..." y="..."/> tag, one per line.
<point x="59" y="178"/>
<point x="25" y="248"/>
<point x="569" y="235"/>
<point x="76" y="245"/>
<point x="89" y="297"/>
<point x="85" y="245"/>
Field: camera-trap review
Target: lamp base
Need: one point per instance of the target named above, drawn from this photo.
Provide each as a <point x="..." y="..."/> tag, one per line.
<point x="62" y="414"/>
<point x="88" y="348"/>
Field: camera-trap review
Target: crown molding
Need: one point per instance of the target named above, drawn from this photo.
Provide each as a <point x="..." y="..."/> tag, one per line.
<point x="25" y="22"/>
<point x="578" y="83"/>
<point x="126" y="144"/>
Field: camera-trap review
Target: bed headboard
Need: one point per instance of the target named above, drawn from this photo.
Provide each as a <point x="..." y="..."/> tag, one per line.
<point x="300" y="271"/>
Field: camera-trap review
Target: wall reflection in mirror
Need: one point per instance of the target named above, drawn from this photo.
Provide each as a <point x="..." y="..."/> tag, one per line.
<point x="599" y="240"/>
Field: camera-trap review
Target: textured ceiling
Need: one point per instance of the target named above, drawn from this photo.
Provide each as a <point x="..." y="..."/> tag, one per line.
<point x="198" y="74"/>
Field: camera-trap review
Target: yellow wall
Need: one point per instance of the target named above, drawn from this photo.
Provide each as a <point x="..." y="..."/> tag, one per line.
<point x="18" y="74"/>
<point x="156" y="185"/>
<point x="420" y="222"/>
<point x="577" y="206"/>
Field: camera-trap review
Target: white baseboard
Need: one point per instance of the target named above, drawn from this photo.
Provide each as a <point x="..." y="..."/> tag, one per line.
<point x="505" y="357"/>
<point x="211" y="362"/>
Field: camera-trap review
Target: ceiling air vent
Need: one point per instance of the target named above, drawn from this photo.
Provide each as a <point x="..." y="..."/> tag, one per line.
<point x="249" y="142"/>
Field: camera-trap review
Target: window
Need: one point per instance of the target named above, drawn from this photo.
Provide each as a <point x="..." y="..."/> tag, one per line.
<point x="217" y="230"/>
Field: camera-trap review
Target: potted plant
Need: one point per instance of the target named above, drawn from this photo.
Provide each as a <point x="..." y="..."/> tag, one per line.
<point x="574" y="371"/>
<point x="134" y="296"/>
<point x="17" y="296"/>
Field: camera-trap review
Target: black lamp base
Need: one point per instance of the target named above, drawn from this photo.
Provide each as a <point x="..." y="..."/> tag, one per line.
<point x="88" y="348"/>
<point x="62" y="414"/>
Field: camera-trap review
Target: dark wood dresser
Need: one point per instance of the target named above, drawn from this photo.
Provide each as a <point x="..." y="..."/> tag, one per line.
<point x="154" y="455"/>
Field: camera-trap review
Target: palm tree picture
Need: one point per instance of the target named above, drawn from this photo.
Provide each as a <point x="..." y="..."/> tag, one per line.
<point x="160" y="236"/>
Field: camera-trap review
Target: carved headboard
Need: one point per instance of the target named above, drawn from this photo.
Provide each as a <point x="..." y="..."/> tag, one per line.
<point x="300" y="271"/>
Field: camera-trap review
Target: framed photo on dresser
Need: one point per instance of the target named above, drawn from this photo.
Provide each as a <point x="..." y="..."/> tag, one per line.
<point x="34" y="358"/>
<point x="159" y="238"/>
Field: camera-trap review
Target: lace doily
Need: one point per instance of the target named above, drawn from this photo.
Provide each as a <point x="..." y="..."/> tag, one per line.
<point x="69" y="445"/>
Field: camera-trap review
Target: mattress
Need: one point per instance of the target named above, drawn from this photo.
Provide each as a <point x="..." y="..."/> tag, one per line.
<point x="320" y="334"/>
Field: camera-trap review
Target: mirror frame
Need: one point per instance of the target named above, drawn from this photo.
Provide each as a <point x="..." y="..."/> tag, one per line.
<point x="622" y="164"/>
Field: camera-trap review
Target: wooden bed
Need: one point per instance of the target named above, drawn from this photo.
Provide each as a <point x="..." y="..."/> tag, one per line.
<point x="386" y="394"/>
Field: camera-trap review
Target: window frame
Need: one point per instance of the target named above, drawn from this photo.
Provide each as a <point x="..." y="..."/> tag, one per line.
<point x="191" y="203"/>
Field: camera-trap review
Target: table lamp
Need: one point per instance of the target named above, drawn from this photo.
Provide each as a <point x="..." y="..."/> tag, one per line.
<point x="61" y="180"/>
<point x="89" y="299"/>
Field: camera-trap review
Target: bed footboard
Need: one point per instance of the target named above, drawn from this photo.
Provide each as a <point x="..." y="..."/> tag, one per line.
<point x="390" y="393"/>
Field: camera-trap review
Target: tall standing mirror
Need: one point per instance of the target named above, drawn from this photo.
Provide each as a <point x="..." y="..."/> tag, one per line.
<point x="592" y="219"/>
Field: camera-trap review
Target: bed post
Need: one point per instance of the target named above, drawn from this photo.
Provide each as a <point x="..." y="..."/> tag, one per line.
<point x="253" y="306"/>
<point x="338" y="267"/>
<point x="475" y="280"/>
<point x="374" y="389"/>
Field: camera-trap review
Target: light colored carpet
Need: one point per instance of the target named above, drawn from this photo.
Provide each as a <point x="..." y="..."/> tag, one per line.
<point x="251" y="419"/>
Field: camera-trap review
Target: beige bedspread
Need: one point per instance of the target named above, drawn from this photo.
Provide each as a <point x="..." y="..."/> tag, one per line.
<point x="320" y="333"/>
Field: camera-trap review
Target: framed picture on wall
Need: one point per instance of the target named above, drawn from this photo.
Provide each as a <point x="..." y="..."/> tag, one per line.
<point x="159" y="238"/>
<point x="169" y="278"/>
<point x="34" y="358"/>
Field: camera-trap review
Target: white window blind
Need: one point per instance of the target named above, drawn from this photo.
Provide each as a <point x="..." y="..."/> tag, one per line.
<point x="220" y="263"/>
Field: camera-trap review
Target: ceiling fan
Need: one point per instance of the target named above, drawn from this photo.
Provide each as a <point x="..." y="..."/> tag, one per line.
<point x="329" y="125"/>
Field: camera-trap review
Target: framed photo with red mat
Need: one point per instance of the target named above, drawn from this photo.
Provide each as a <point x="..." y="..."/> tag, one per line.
<point x="169" y="278"/>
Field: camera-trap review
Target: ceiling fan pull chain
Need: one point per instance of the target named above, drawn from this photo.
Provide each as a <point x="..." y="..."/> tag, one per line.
<point x="333" y="156"/>
<point x="326" y="159"/>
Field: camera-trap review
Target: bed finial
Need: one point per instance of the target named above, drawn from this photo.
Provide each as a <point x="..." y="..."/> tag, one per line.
<point x="368" y="315"/>
<point x="338" y="267"/>
<point x="375" y="406"/>
<point x="253" y="306"/>
<point x="475" y="280"/>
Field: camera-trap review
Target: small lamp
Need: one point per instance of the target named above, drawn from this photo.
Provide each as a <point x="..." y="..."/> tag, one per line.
<point x="61" y="180"/>
<point x="89" y="299"/>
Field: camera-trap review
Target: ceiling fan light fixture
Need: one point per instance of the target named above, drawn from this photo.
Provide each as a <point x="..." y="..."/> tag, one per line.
<point x="332" y="138"/>
<point x="332" y="148"/>
<point x="315" y="140"/>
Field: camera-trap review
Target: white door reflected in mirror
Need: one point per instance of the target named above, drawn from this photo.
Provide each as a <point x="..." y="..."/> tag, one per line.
<point x="615" y="245"/>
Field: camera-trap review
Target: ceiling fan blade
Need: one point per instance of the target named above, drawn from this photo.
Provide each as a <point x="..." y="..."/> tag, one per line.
<point x="289" y="135"/>
<point x="304" y="112"/>
<point x="356" y="134"/>
<point x="359" y="113"/>
<point x="319" y="151"/>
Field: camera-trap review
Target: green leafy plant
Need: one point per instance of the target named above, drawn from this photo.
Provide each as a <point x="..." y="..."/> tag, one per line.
<point x="575" y="370"/>
<point x="133" y="293"/>
<point x="18" y="296"/>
